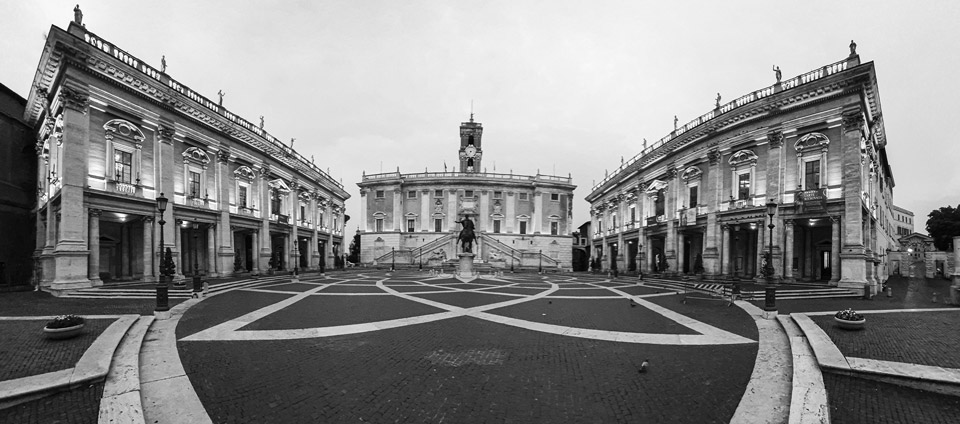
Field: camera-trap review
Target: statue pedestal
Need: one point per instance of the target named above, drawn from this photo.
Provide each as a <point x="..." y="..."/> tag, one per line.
<point x="465" y="268"/>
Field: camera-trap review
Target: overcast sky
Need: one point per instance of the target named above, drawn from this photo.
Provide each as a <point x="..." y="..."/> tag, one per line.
<point x="560" y="87"/>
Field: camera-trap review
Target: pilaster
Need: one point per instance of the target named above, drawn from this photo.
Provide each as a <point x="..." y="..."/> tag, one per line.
<point x="71" y="256"/>
<point x="853" y="255"/>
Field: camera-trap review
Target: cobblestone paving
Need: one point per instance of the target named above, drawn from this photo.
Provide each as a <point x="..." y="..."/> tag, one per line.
<point x="925" y="338"/>
<point x="463" y="369"/>
<point x="908" y="293"/>
<point x="41" y="303"/>
<point x="861" y="401"/>
<point x="77" y="406"/>
<point x="25" y="351"/>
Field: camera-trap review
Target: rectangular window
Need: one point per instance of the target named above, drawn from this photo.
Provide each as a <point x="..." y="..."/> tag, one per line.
<point x="523" y="196"/>
<point x="633" y="213"/>
<point x="303" y="213"/>
<point x="410" y="224"/>
<point x="496" y="226"/>
<point x="379" y="194"/>
<point x="242" y="197"/>
<point x="693" y="196"/>
<point x="275" y="203"/>
<point x="743" y="186"/>
<point x="379" y="226"/>
<point x="523" y="227"/>
<point x="555" y="197"/>
<point x="468" y="193"/>
<point x="123" y="162"/>
<point x="554" y="228"/>
<point x="811" y="175"/>
<point x="320" y="219"/>
<point x="412" y="194"/>
<point x="194" y="184"/>
<point x="438" y="193"/>
<point x="659" y="203"/>
<point x="498" y="195"/>
<point x="438" y="225"/>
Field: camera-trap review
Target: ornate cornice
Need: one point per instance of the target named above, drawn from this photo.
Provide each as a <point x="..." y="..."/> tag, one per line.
<point x="165" y="134"/>
<point x="223" y="155"/>
<point x="852" y="121"/>
<point x="713" y="155"/>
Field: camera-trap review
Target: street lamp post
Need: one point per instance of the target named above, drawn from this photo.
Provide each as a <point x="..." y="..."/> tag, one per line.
<point x="420" y="257"/>
<point x="540" y="270"/>
<point x="770" y="292"/>
<point x="163" y="291"/>
<point x="197" y="283"/>
<point x="393" y="259"/>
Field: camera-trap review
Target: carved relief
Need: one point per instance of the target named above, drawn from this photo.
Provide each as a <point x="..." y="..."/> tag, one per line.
<point x="743" y="157"/>
<point x="692" y="173"/>
<point x="197" y="155"/>
<point x="810" y="141"/>
<point x="165" y="134"/>
<point x="245" y="172"/>
<point x="852" y="121"/>
<point x="223" y="155"/>
<point x="714" y="156"/>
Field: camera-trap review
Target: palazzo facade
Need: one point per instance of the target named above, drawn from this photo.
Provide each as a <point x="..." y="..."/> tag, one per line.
<point x="694" y="201"/>
<point x="114" y="133"/>
<point x="521" y="220"/>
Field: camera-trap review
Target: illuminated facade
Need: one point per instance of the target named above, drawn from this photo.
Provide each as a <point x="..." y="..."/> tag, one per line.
<point x="114" y="133"/>
<point x="694" y="201"/>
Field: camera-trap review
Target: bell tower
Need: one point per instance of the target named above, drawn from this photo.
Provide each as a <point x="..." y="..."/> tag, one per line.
<point x="471" y="150"/>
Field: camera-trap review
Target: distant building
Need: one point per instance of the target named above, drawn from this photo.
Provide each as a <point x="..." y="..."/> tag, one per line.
<point x="815" y="145"/>
<point x="903" y="221"/>
<point x="115" y="133"/>
<point x="18" y="191"/>
<point x="581" y="247"/>
<point x="918" y="257"/>
<point x="521" y="220"/>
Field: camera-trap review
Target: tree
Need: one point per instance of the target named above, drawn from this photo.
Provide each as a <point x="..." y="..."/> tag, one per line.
<point x="943" y="225"/>
<point x="355" y="249"/>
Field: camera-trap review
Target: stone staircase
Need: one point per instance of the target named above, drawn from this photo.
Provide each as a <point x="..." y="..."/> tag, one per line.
<point x="723" y="289"/>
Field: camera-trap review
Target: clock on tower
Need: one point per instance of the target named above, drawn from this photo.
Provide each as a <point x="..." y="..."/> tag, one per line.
<point x="471" y="151"/>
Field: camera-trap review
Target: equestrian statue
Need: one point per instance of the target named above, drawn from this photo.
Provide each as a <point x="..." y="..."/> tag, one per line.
<point x="466" y="236"/>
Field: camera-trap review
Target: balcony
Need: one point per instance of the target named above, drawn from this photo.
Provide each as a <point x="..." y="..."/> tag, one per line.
<point x="243" y="210"/>
<point x="654" y="220"/>
<point x="811" y="200"/>
<point x="280" y="218"/>
<point x="197" y="202"/>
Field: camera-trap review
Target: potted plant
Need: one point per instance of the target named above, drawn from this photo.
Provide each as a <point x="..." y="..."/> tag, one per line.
<point x="849" y="319"/>
<point x="64" y="327"/>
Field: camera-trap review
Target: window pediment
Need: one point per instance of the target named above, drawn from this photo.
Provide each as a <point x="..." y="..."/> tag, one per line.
<point x="655" y="186"/>
<point x="279" y="185"/>
<point x="124" y="128"/>
<point x="197" y="155"/>
<point x="691" y="174"/>
<point x="245" y="172"/>
<point x="743" y="157"/>
<point x="811" y="141"/>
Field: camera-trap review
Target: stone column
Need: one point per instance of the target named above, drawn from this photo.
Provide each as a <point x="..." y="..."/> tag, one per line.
<point x="149" y="248"/>
<point x="511" y="218"/>
<point x="725" y="251"/>
<point x="314" y="237"/>
<point x="363" y="211"/>
<point x="93" y="240"/>
<point x="256" y="252"/>
<point x="762" y="250"/>
<point x="71" y="257"/>
<point x="788" y="250"/>
<point x="452" y="211"/>
<point x="295" y="220"/>
<point x="164" y="172"/>
<point x="212" y="269"/>
<point x="681" y="249"/>
<point x="226" y="183"/>
<point x="537" y="212"/>
<point x="483" y="216"/>
<point x="177" y="246"/>
<point x="835" y="250"/>
<point x="853" y="256"/>
<point x="266" y="246"/>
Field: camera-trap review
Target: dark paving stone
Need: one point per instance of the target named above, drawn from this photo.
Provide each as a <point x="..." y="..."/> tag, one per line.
<point x="352" y="289"/>
<point x="925" y="338"/>
<point x="466" y="299"/>
<point x="602" y="314"/>
<point x="465" y="370"/>
<point x="715" y="313"/>
<point x="77" y="406"/>
<point x="583" y="292"/>
<point x="325" y="311"/>
<point x="223" y="308"/>
<point x="637" y="290"/>
<point x="291" y="287"/>
<point x="25" y="350"/>
<point x="861" y="401"/>
<point x="518" y="290"/>
<point x="41" y="303"/>
<point x="419" y="288"/>
<point x="908" y="293"/>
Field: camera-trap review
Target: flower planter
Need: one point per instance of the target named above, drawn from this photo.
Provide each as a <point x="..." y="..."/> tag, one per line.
<point x="850" y="324"/>
<point x="63" y="333"/>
